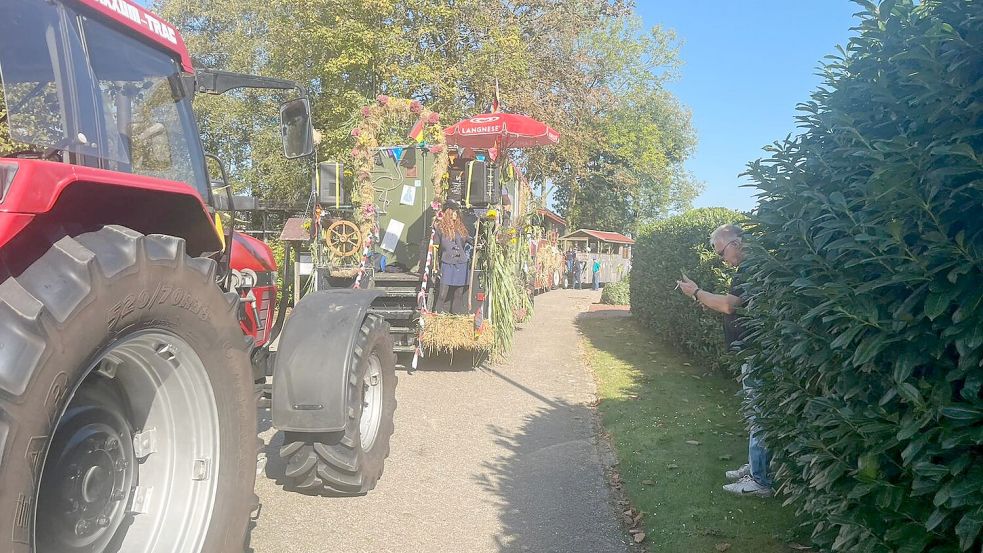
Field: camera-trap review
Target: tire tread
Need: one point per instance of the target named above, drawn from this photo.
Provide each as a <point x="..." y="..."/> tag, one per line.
<point x="331" y="463"/>
<point x="38" y="303"/>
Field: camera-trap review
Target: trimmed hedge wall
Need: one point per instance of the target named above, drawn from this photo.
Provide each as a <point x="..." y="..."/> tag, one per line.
<point x="867" y="282"/>
<point x="681" y="244"/>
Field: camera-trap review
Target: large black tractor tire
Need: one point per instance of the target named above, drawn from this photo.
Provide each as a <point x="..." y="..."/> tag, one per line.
<point x="351" y="462"/>
<point x="127" y="420"/>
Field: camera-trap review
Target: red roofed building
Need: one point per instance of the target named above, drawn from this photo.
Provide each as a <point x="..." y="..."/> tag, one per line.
<point x="554" y="221"/>
<point x="599" y="241"/>
<point x="613" y="249"/>
<point x="601" y="235"/>
<point x="554" y="226"/>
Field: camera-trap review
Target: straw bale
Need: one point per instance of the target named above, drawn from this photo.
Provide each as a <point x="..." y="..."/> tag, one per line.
<point x="446" y="332"/>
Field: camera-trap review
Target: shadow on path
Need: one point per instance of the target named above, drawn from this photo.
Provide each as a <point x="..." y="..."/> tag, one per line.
<point x="550" y="492"/>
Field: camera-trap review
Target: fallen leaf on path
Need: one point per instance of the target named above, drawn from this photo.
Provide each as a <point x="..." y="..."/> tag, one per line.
<point x="693" y="442"/>
<point x="648" y="483"/>
<point x="672" y="466"/>
<point x="722" y="547"/>
<point x="686" y="364"/>
<point x="640" y="537"/>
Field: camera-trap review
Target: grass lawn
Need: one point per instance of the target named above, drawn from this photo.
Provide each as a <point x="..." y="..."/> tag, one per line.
<point x="653" y="401"/>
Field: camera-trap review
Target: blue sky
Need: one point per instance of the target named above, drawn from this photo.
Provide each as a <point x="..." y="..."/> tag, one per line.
<point x="746" y="65"/>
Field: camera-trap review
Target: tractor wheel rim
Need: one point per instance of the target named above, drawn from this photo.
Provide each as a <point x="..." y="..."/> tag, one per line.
<point x="371" y="403"/>
<point x="133" y="461"/>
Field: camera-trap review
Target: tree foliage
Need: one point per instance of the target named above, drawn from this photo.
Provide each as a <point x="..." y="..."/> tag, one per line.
<point x="867" y="304"/>
<point x="6" y="144"/>
<point x="585" y="66"/>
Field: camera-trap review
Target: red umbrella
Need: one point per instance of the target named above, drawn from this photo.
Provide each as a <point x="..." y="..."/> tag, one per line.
<point x="500" y="130"/>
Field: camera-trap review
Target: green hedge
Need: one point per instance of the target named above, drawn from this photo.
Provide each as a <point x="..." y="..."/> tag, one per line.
<point x="867" y="286"/>
<point x="617" y="293"/>
<point x="664" y="250"/>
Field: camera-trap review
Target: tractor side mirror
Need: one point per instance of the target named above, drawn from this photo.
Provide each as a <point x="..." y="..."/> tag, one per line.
<point x="296" y="129"/>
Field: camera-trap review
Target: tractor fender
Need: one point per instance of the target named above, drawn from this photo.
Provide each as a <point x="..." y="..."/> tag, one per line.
<point x="313" y="360"/>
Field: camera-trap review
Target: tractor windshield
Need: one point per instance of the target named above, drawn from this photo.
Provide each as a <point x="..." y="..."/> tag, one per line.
<point x="79" y="91"/>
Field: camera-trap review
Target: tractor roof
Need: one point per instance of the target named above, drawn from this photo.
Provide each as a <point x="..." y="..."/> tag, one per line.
<point x="144" y="23"/>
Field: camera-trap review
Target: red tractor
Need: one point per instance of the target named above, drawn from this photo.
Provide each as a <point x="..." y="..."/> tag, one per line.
<point x="127" y="393"/>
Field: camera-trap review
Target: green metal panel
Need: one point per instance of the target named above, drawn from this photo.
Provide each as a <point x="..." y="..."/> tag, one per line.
<point x="391" y="179"/>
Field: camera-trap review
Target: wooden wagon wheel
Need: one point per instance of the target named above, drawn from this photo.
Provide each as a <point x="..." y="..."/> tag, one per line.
<point x="344" y="238"/>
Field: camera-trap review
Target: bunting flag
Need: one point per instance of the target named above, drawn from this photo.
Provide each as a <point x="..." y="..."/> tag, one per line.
<point x="397" y="153"/>
<point x="416" y="133"/>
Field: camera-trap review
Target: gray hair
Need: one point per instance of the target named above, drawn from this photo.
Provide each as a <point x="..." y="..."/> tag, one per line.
<point x="728" y="231"/>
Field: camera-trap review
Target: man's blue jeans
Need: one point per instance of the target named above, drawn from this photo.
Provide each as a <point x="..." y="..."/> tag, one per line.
<point x="597" y="281"/>
<point x="758" y="455"/>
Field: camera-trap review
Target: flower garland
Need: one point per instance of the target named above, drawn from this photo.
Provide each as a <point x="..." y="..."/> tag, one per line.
<point x="366" y="134"/>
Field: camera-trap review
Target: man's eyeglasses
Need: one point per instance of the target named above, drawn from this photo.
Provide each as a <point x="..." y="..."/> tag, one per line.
<point x="727" y="245"/>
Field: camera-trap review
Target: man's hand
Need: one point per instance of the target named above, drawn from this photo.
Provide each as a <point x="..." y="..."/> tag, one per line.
<point x="687" y="286"/>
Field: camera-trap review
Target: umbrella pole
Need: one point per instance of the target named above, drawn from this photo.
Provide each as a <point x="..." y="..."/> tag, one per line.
<point x="474" y="261"/>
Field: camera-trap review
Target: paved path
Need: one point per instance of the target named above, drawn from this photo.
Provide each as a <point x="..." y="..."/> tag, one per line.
<point x="490" y="460"/>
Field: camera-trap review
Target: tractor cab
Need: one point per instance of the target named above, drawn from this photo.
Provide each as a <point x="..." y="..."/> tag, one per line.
<point x="80" y="91"/>
<point x="110" y="89"/>
<point x="90" y="97"/>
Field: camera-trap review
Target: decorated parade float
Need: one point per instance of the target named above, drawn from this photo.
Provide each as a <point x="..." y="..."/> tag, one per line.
<point x="372" y="224"/>
<point x="546" y="250"/>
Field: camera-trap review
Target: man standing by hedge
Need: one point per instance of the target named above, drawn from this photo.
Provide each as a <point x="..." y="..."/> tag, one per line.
<point x="752" y="478"/>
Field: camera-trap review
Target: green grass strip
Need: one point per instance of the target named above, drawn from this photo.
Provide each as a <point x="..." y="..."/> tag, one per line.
<point x="653" y="401"/>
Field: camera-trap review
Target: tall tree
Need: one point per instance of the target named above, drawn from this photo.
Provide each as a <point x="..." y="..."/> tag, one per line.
<point x="587" y="67"/>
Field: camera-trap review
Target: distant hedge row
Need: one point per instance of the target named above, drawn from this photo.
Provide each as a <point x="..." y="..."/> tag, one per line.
<point x="617" y="293"/>
<point x="664" y="250"/>
<point x="867" y="283"/>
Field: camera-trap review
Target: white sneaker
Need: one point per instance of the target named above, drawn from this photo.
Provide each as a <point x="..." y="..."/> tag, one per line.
<point x="735" y="475"/>
<point x="748" y="486"/>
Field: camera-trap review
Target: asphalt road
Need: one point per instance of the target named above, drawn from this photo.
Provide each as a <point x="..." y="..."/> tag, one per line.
<point x="496" y="459"/>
